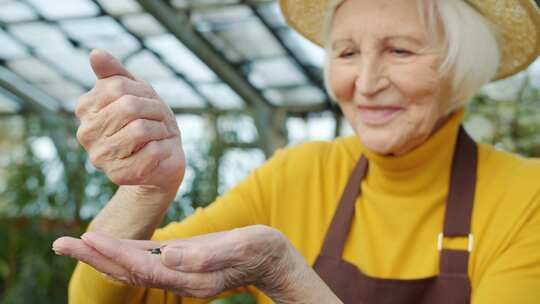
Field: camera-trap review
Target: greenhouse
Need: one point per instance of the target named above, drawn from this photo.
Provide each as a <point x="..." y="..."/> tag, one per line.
<point x="241" y="83"/>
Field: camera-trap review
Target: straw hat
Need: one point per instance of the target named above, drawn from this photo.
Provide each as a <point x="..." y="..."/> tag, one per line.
<point x="518" y="22"/>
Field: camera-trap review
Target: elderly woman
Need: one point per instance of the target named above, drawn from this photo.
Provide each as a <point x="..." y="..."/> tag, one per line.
<point x="410" y="210"/>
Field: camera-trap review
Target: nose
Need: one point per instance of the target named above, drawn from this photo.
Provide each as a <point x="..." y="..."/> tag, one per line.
<point x="371" y="78"/>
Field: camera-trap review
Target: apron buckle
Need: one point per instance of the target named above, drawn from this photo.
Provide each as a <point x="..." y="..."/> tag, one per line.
<point x="470" y="242"/>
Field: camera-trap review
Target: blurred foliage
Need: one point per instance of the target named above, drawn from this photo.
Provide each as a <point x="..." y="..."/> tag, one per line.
<point x="43" y="197"/>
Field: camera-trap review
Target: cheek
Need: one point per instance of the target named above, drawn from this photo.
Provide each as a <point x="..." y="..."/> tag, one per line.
<point x="341" y="81"/>
<point x="417" y="88"/>
<point x="423" y="86"/>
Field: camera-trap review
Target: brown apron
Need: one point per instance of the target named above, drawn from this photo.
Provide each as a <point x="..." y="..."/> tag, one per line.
<point x="451" y="286"/>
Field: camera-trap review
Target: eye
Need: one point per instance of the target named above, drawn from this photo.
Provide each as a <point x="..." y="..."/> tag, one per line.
<point x="347" y="54"/>
<point x="401" y="52"/>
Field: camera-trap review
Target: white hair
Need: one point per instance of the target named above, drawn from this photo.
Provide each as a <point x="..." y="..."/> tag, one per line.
<point x="472" y="54"/>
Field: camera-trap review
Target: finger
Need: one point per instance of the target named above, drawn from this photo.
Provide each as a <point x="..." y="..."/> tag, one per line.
<point x="137" y="169"/>
<point x="128" y="108"/>
<point x="145" y="268"/>
<point x="110" y="90"/>
<point x="105" y="65"/>
<point x="78" y="249"/>
<point x="144" y="245"/>
<point x="206" y="253"/>
<point x="134" y="136"/>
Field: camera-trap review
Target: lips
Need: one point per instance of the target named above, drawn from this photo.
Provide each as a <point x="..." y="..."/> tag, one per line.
<point x="378" y="115"/>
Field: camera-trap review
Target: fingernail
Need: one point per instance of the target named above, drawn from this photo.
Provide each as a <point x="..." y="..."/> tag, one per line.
<point x="57" y="251"/>
<point x="172" y="256"/>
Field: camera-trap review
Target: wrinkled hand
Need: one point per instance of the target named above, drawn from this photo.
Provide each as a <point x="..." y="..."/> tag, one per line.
<point x="200" y="267"/>
<point x="127" y="130"/>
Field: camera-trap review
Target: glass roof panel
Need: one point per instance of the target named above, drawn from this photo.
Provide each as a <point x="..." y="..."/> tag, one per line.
<point x="64" y="91"/>
<point x="65" y="8"/>
<point x="53" y="51"/>
<point x="104" y="33"/>
<point x="143" y="25"/>
<point x="306" y="94"/>
<point x="40" y="35"/>
<point x="73" y="63"/>
<point x="272" y="14"/>
<point x="183" y="4"/>
<point x="90" y="28"/>
<point x="177" y="93"/>
<point x="147" y="66"/>
<point x="245" y="35"/>
<point x="180" y="58"/>
<point x="10" y="48"/>
<point x="275" y="72"/>
<point x="221" y="96"/>
<point x="34" y="70"/>
<point x="308" y="52"/>
<point x="120" y="7"/>
<point x="16" y="11"/>
<point x="223" y="15"/>
<point x="224" y="46"/>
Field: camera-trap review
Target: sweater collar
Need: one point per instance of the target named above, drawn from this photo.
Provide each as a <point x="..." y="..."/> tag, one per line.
<point x="424" y="167"/>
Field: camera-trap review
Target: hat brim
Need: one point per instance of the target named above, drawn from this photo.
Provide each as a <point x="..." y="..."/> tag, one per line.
<point x="518" y="28"/>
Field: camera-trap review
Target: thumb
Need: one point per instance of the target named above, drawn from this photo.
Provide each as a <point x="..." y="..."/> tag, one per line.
<point x="105" y="65"/>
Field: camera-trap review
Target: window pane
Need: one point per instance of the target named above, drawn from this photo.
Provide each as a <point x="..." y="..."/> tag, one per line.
<point x="180" y="58"/>
<point x="120" y="7"/>
<point x="178" y="94"/>
<point x="318" y="126"/>
<point x="65" y="8"/>
<point x="272" y="14"/>
<point x="15" y="11"/>
<point x="10" y="48"/>
<point x="236" y="165"/>
<point x="183" y="4"/>
<point x="275" y="72"/>
<point x="237" y="128"/>
<point x="308" y="52"/>
<point x="306" y="94"/>
<point x="143" y="25"/>
<point x="145" y="65"/>
<point x="40" y="35"/>
<point x="221" y="96"/>
<point x="64" y="91"/>
<point x="244" y="36"/>
<point x="104" y="33"/>
<point x="33" y="70"/>
<point x="72" y="62"/>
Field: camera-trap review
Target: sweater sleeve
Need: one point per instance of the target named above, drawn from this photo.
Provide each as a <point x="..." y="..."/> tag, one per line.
<point x="515" y="276"/>
<point x="244" y="205"/>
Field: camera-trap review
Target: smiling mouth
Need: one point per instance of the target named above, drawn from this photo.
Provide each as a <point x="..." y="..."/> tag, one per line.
<point x="378" y="115"/>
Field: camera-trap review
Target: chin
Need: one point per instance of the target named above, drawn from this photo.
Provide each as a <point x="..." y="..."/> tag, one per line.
<point x="380" y="141"/>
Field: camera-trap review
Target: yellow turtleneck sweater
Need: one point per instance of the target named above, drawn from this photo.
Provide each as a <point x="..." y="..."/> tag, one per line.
<point x="397" y="220"/>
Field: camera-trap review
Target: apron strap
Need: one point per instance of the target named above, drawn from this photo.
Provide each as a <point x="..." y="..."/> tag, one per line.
<point x="338" y="231"/>
<point x="458" y="215"/>
<point x="459" y="208"/>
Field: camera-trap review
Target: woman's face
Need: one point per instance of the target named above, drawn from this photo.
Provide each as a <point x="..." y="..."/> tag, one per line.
<point x="383" y="73"/>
